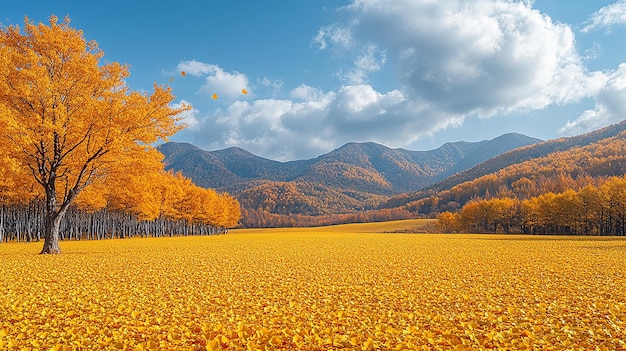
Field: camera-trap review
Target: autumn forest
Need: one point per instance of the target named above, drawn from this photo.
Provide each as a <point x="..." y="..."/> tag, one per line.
<point x="581" y="191"/>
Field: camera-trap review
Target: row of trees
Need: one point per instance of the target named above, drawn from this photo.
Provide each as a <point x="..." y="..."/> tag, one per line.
<point x="137" y="199"/>
<point x="20" y="222"/>
<point x="591" y="210"/>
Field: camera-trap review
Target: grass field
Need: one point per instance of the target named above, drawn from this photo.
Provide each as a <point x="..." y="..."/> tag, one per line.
<point x="344" y="287"/>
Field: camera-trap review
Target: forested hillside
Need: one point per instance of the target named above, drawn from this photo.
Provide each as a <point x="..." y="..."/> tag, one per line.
<point x="354" y="178"/>
<point x="367" y="181"/>
<point x="555" y="165"/>
<point x="567" y="186"/>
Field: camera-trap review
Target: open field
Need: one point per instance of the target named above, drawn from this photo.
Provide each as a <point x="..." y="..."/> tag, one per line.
<point x="343" y="287"/>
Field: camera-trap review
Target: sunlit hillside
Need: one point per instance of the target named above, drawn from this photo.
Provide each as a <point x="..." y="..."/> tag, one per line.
<point x="551" y="166"/>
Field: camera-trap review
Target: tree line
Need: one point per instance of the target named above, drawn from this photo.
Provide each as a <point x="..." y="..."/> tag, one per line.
<point x="590" y="210"/>
<point x="146" y="205"/>
<point x="20" y="222"/>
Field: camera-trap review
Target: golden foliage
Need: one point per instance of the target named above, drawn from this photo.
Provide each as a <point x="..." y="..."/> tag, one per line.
<point x="316" y="289"/>
<point x="73" y="132"/>
<point x="592" y="210"/>
<point x="573" y="168"/>
<point x="67" y="118"/>
<point x="56" y="96"/>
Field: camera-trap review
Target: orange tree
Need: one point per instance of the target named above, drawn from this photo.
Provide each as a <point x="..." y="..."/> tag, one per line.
<point x="70" y="119"/>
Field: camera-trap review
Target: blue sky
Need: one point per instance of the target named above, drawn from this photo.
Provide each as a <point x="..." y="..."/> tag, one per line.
<point x="403" y="73"/>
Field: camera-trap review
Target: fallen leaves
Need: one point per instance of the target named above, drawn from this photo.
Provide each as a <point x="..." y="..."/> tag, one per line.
<point x="306" y="289"/>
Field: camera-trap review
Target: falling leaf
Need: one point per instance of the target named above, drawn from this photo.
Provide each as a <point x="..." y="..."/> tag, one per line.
<point x="183" y="73"/>
<point x="244" y="91"/>
<point x="214" y="96"/>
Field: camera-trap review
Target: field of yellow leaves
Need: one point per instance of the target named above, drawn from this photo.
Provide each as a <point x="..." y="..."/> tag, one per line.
<point x="316" y="289"/>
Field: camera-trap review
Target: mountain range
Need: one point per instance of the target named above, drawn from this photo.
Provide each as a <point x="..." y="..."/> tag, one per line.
<point x="354" y="177"/>
<point x="365" y="181"/>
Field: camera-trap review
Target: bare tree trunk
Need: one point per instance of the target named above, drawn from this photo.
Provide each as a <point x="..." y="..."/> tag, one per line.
<point x="52" y="224"/>
<point x="51" y="233"/>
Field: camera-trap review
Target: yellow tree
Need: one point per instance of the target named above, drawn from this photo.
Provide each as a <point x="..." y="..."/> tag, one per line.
<point x="234" y="211"/>
<point x="615" y="190"/>
<point x="472" y="218"/>
<point x="132" y="189"/>
<point x="449" y="222"/>
<point x="70" y="118"/>
<point x="171" y="190"/>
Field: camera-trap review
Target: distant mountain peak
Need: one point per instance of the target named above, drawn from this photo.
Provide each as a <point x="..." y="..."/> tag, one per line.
<point x="357" y="175"/>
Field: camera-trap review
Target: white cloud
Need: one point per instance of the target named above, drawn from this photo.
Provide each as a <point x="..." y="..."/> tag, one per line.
<point x="312" y="122"/>
<point x="305" y="92"/>
<point x="196" y="68"/>
<point x="475" y="58"/>
<point x="217" y="81"/>
<point x="275" y="128"/>
<point x="333" y="35"/>
<point x="451" y="60"/>
<point x="608" y="16"/>
<point x="610" y="106"/>
<point x="275" y="85"/>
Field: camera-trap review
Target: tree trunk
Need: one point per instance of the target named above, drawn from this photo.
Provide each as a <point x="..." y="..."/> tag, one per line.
<point x="1" y="222"/>
<point x="51" y="233"/>
<point x="52" y="223"/>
